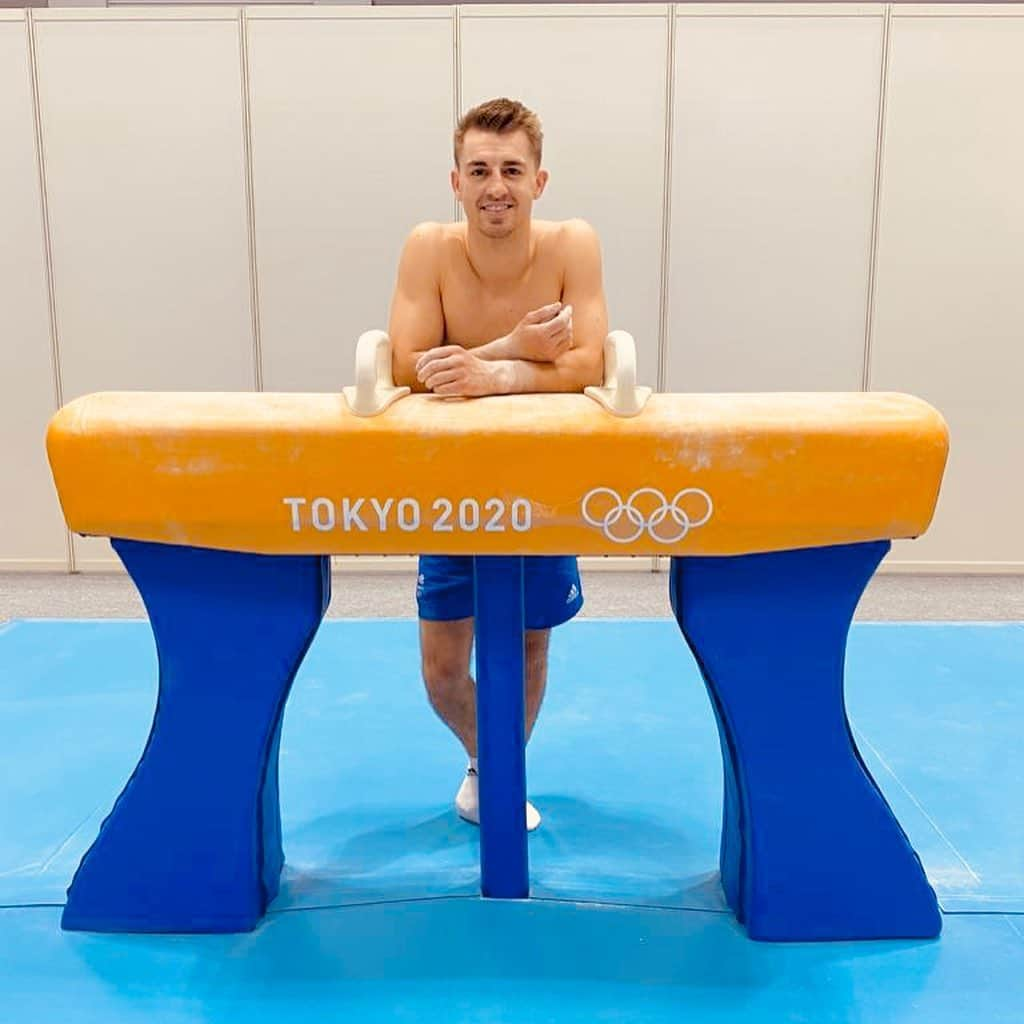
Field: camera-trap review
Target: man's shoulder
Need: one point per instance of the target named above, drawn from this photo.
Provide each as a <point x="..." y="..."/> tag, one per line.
<point x="426" y="233"/>
<point x="571" y="233"/>
<point x="425" y="249"/>
<point x="579" y="226"/>
<point x="432" y="239"/>
<point x="569" y="242"/>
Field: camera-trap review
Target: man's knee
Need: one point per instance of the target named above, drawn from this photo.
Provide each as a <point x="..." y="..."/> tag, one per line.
<point x="445" y="649"/>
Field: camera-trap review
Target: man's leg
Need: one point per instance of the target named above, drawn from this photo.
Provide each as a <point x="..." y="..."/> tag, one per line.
<point x="536" y="674"/>
<point x="446" y="648"/>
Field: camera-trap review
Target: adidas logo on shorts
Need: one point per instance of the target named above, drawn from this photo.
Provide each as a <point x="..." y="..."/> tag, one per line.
<point x="574" y="592"/>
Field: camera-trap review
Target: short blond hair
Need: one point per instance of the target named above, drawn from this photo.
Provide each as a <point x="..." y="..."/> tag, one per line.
<point x="502" y="116"/>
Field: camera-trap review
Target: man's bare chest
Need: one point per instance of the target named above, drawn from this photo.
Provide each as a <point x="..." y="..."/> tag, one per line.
<point x="475" y="314"/>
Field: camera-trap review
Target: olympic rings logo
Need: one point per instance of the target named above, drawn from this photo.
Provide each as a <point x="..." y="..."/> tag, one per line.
<point x="646" y="509"/>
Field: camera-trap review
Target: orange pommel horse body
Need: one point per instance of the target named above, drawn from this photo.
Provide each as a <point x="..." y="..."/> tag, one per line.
<point x="521" y="474"/>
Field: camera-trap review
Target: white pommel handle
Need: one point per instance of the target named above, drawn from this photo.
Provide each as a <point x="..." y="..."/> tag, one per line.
<point x="375" y="387"/>
<point x="620" y="394"/>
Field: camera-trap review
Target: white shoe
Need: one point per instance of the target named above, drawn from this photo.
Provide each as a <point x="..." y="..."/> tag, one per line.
<point x="467" y="802"/>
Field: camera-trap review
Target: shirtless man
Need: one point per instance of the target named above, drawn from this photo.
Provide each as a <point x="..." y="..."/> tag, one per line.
<point x="500" y="304"/>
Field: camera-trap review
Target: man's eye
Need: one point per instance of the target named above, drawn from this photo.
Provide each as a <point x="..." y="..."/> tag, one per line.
<point x="513" y="170"/>
<point x="476" y="173"/>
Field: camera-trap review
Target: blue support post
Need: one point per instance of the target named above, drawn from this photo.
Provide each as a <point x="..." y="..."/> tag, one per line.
<point x="501" y="732"/>
<point x="810" y="848"/>
<point x="193" y="843"/>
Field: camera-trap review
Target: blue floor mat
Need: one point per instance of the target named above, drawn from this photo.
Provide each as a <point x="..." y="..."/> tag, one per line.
<point x="624" y="766"/>
<point x="490" y="962"/>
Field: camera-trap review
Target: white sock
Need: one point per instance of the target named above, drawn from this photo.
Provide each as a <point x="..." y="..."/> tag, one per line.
<point x="467" y="800"/>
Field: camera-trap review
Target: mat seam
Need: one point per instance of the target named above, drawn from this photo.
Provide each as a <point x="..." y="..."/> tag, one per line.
<point x="1010" y="915"/>
<point x="861" y="738"/>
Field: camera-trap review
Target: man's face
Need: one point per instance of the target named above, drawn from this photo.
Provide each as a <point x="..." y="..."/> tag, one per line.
<point x="497" y="181"/>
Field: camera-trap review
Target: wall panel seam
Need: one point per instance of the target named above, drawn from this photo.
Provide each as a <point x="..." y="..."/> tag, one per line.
<point x="44" y="211"/>
<point x="666" y="200"/>
<point x="876" y="202"/>
<point x="250" y="202"/>
<point x="666" y="210"/>
<point x="456" y="88"/>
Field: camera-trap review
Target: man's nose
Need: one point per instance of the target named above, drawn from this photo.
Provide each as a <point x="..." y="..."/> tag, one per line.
<point x="496" y="185"/>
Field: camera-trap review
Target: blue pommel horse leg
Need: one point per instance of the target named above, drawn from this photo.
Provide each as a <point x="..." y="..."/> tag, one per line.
<point x="501" y="732"/>
<point x="810" y="849"/>
<point x="193" y="842"/>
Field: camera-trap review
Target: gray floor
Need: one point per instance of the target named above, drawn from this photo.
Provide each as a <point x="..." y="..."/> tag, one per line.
<point x="608" y="595"/>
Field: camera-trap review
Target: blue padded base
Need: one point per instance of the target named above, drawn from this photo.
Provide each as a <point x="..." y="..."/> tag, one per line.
<point x="810" y="848"/>
<point x="193" y="842"/>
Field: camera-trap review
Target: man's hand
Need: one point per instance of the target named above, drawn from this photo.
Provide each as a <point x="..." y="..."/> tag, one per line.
<point x="451" y="370"/>
<point x="542" y="335"/>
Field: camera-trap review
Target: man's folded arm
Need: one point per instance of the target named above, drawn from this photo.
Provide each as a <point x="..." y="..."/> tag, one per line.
<point x="583" y="289"/>
<point x="416" y="320"/>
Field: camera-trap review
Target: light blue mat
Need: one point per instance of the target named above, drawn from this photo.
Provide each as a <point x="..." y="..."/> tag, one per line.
<point x="625" y="767"/>
<point x="461" y="961"/>
<point x="625" y="763"/>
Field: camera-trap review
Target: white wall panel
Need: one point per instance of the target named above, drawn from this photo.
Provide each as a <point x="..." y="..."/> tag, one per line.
<point x="774" y="158"/>
<point x="774" y="150"/>
<point x="596" y="76"/>
<point x="949" y="311"/>
<point x="143" y="142"/>
<point x="31" y="528"/>
<point x="352" y="116"/>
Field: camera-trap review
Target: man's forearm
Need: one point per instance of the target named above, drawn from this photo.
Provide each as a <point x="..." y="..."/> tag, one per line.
<point x="500" y="348"/>
<point x="403" y="369"/>
<point x="571" y="371"/>
<point x="403" y="372"/>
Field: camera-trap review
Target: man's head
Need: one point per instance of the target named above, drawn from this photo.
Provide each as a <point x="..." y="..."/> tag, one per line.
<point x="497" y="173"/>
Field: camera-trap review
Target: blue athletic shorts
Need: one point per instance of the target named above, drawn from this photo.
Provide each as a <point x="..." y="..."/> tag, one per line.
<point x="553" y="593"/>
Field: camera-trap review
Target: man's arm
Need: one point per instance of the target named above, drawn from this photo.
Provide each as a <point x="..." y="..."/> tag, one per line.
<point x="416" y="321"/>
<point x="496" y="368"/>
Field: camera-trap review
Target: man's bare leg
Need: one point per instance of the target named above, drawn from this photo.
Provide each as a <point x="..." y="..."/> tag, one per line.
<point x="537" y="641"/>
<point x="446" y="648"/>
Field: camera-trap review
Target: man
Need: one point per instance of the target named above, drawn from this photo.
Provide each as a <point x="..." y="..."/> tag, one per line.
<point x="500" y="304"/>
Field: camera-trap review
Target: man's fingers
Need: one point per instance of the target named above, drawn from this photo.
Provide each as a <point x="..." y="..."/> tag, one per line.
<point x="556" y="329"/>
<point x="439" y="365"/>
<point x="560" y="322"/>
<point x="456" y="389"/>
<point x="436" y="380"/>
<point x="538" y="316"/>
<point x="441" y="352"/>
<point x="428" y="357"/>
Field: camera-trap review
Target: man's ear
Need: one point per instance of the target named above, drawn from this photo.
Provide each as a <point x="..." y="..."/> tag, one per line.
<point x="540" y="184"/>
<point x="456" y="182"/>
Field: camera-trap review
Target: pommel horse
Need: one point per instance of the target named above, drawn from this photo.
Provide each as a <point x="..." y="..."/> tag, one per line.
<point x="775" y="509"/>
